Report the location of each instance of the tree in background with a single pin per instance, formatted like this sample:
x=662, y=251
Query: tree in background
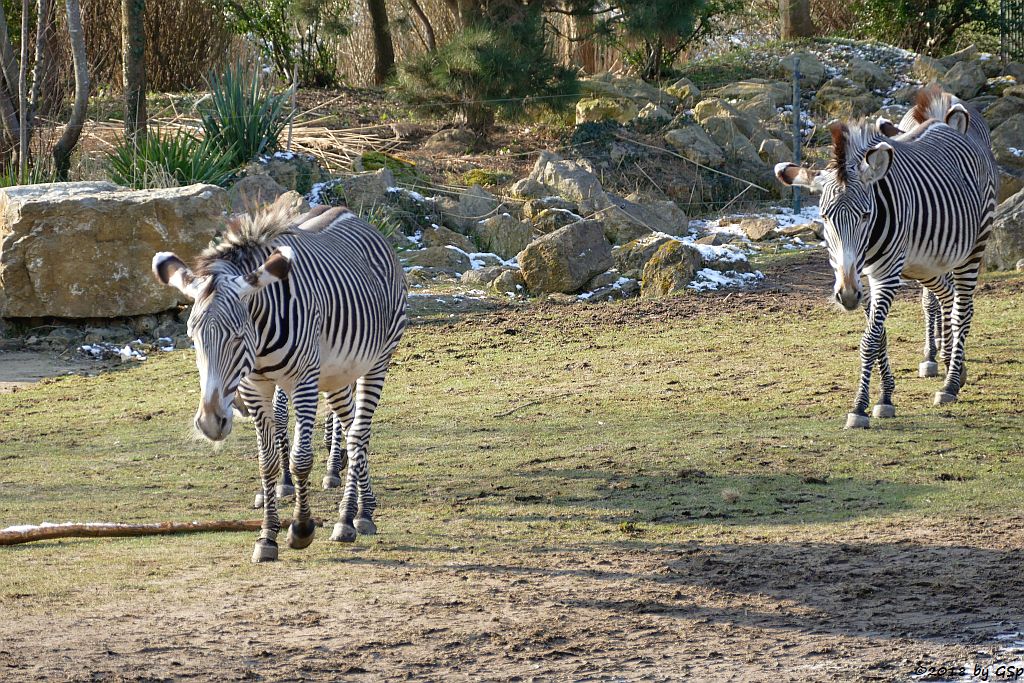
x=133, y=42
x=796, y=19
x=383, y=48
x=652, y=33
x=929, y=26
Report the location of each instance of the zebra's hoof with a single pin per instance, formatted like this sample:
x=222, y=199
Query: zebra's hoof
x=265, y=551
x=855, y=421
x=884, y=410
x=365, y=526
x=300, y=534
x=285, y=491
x=928, y=368
x=258, y=501
x=343, y=533
x=331, y=481
x=944, y=397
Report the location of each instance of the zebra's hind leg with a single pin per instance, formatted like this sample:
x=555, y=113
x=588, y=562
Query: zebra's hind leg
x=339, y=421
x=932, y=333
x=258, y=400
x=965, y=279
x=358, y=502
x=304, y=399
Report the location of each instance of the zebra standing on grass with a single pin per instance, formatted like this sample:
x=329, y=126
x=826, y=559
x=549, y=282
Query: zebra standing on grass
x=316, y=307
x=918, y=206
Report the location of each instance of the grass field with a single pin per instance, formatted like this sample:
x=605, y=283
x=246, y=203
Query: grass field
x=635, y=490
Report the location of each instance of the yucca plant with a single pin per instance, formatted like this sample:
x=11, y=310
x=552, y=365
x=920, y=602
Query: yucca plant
x=162, y=159
x=244, y=115
x=11, y=176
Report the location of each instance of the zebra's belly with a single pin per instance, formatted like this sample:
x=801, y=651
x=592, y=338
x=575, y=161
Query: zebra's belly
x=342, y=372
x=921, y=267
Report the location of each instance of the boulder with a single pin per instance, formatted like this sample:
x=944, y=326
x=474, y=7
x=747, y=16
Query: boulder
x=968, y=53
x=631, y=257
x=605, y=108
x=754, y=88
x=482, y=277
x=566, y=259
x=1006, y=243
x=927, y=69
x=571, y=180
x=696, y=145
x=964, y=79
x=503, y=235
x=252, y=192
x=685, y=91
x=549, y=220
x=509, y=282
x=527, y=188
x=637, y=91
x=669, y=270
x=774, y=151
x=360, y=192
x=1002, y=109
x=812, y=71
x=762, y=107
x=446, y=259
x=440, y=236
x=84, y=250
x=1010, y=183
x=299, y=172
x=1015, y=69
x=652, y=112
x=1008, y=142
x=868, y=74
x=728, y=135
x=475, y=204
x=455, y=141
x=841, y=98
x=534, y=206
x=757, y=229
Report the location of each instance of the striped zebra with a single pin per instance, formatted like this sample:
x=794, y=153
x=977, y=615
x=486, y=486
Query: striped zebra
x=917, y=206
x=319, y=306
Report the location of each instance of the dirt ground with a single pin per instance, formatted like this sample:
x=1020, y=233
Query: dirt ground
x=882, y=600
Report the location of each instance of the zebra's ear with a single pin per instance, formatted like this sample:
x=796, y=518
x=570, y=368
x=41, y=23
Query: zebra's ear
x=888, y=128
x=274, y=269
x=791, y=174
x=957, y=117
x=172, y=271
x=876, y=163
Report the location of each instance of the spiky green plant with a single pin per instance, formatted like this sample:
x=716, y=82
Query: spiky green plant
x=11, y=176
x=161, y=159
x=244, y=115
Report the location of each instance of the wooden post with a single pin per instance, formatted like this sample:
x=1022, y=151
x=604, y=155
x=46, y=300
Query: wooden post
x=797, y=136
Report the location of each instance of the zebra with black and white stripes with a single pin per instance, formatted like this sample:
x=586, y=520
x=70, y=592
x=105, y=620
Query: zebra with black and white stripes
x=918, y=206
x=314, y=307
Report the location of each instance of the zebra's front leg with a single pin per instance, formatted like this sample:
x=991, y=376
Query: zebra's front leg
x=304, y=399
x=966, y=279
x=871, y=345
x=358, y=502
x=285, y=488
x=932, y=333
x=885, y=408
x=258, y=400
x=339, y=420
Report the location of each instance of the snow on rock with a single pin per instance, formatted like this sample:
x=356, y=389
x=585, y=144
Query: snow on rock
x=709, y=279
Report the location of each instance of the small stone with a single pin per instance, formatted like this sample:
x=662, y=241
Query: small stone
x=758, y=229
x=481, y=277
x=144, y=324
x=549, y=220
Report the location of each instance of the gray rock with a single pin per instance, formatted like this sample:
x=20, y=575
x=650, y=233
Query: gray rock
x=1015, y=69
x=144, y=325
x=966, y=54
x=603, y=280
x=476, y=204
x=62, y=336
x=570, y=180
x=527, y=188
x=1002, y=109
x=182, y=341
x=114, y=333
x=1006, y=244
x=456, y=141
x=670, y=270
x=549, y=220
x=168, y=329
x=482, y=277
x=593, y=109
x=841, y=98
x=503, y=235
x=534, y=206
x=252, y=192
x=566, y=259
x=360, y=192
x=964, y=79
x=696, y=145
x=685, y=91
x=868, y=74
x=927, y=69
x=1006, y=138
x=509, y=282
x=445, y=259
x=631, y=257
x=298, y=172
x=653, y=112
x=758, y=229
x=440, y=236
x=774, y=151
x=812, y=71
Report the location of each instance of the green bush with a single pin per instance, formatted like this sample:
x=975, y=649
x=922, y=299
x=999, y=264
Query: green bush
x=245, y=116
x=500, y=64
x=161, y=159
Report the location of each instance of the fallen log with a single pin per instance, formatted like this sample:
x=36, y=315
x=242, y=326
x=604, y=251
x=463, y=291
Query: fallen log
x=46, y=531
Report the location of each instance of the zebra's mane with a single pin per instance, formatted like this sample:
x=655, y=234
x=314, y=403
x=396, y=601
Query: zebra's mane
x=849, y=143
x=246, y=234
x=932, y=102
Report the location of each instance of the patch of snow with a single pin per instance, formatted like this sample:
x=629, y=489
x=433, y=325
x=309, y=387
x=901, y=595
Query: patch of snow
x=709, y=279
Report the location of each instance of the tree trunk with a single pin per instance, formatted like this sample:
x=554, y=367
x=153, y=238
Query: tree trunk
x=796, y=19
x=23, y=136
x=428, y=28
x=133, y=44
x=42, y=22
x=585, y=52
x=384, y=49
x=73, y=130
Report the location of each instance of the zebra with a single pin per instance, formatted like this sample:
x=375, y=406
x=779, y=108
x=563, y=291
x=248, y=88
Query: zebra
x=314, y=307
x=918, y=206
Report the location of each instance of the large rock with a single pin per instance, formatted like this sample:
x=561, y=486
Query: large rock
x=812, y=71
x=669, y=270
x=635, y=90
x=1006, y=243
x=728, y=134
x=566, y=259
x=841, y=98
x=549, y=220
x=299, y=172
x=1008, y=142
x=968, y=53
x=927, y=69
x=570, y=180
x=604, y=108
x=696, y=145
x=475, y=204
x=503, y=235
x=631, y=257
x=83, y=250
x=252, y=192
x=1002, y=109
x=964, y=79
x=868, y=74
x=685, y=91
x=360, y=192
x=440, y=236
x=447, y=259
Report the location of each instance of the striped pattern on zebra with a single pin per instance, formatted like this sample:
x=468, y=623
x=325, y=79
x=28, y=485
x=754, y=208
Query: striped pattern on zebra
x=918, y=206
x=306, y=305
